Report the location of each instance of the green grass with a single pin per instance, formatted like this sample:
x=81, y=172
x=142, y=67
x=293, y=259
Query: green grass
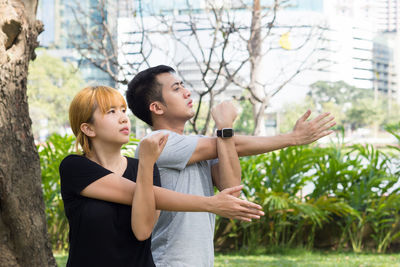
x=297, y=258
x=304, y=258
x=61, y=259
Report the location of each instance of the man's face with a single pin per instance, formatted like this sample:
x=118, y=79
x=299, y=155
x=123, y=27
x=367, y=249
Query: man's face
x=177, y=102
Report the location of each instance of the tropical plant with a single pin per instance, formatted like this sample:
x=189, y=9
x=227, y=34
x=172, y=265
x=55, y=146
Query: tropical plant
x=51, y=153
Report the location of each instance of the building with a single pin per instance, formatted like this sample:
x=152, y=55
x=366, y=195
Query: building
x=383, y=17
x=62, y=34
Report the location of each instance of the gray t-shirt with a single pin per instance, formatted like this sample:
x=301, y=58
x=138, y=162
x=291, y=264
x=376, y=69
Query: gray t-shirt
x=184, y=238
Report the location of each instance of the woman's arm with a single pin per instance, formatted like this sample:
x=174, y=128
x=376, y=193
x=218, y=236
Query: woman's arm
x=144, y=215
x=117, y=189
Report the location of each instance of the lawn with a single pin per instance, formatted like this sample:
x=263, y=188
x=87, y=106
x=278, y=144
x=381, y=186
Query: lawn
x=309, y=260
x=298, y=258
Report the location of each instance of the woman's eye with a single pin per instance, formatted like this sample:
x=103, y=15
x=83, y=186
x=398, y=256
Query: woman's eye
x=111, y=111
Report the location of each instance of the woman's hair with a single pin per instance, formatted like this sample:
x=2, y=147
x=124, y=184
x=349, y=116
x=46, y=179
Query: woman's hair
x=83, y=106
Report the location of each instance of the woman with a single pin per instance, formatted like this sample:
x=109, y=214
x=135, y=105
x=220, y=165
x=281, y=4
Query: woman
x=110, y=201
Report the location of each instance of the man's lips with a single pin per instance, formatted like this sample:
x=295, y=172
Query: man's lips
x=190, y=104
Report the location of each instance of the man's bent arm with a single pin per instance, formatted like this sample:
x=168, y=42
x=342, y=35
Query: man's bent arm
x=227, y=172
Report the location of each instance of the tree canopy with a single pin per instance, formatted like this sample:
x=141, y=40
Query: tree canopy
x=52, y=84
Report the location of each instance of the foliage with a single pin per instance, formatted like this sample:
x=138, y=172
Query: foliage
x=129, y=148
x=51, y=153
x=304, y=191
x=365, y=112
x=245, y=122
x=52, y=84
x=276, y=180
x=353, y=107
x=322, y=91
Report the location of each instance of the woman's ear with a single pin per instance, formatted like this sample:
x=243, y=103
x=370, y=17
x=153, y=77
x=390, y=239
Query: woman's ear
x=88, y=130
x=157, y=108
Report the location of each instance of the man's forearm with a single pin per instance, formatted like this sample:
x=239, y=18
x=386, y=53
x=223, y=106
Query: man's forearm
x=229, y=171
x=244, y=145
x=254, y=145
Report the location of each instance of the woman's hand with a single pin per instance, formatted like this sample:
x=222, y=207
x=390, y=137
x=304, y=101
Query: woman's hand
x=225, y=204
x=152, y=146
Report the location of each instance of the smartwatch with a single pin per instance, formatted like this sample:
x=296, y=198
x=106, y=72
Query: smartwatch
x=225, y=133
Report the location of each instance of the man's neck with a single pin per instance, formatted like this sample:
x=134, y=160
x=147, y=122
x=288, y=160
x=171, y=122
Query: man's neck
x=176, y=127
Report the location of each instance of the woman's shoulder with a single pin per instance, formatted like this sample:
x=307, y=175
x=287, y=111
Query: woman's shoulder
x=74, y=160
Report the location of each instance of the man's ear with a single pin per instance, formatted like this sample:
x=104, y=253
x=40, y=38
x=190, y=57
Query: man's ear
x=87, y=129
x=157, y=108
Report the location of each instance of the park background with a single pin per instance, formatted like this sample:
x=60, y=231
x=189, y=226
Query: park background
x=327, y=203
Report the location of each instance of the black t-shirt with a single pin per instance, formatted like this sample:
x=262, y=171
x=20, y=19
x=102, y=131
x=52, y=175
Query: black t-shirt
x=100, y=231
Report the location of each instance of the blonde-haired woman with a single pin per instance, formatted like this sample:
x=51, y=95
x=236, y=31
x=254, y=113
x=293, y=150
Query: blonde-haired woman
x=112, y=201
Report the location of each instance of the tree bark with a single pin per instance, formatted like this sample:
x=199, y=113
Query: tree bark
x=255, y=86
x=23, y=232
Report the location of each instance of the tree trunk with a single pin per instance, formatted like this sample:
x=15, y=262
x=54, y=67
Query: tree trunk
x=259, y=118
x=23, y=232
x=255, y=86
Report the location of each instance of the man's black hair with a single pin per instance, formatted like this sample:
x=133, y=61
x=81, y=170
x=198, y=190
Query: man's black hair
x=145, y=89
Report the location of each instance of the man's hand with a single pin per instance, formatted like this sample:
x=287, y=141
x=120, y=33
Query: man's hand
x=224, y=114
x=226, y=205
x=306, y=132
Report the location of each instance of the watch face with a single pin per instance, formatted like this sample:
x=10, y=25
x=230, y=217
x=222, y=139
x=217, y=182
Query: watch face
x=227, y=133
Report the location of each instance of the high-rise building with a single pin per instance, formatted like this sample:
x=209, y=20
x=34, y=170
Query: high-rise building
x=62, y=33
x=387, y=15
x=384, y=19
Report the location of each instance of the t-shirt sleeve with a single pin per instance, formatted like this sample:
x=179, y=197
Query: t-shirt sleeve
x=177, y=151
x=77, y=172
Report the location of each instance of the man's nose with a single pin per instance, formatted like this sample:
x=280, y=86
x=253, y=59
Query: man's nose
x=187, y=93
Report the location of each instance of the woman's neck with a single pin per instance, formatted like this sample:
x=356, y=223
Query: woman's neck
x=108, y=157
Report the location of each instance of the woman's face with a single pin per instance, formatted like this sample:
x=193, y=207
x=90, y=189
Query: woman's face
x=111, y=127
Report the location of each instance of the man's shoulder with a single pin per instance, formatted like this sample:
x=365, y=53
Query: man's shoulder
x=174, y=136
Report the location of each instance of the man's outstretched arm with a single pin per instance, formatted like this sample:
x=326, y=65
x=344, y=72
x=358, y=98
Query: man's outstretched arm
x=304, y=132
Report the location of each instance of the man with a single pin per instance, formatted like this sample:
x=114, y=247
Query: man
x=158, y=97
